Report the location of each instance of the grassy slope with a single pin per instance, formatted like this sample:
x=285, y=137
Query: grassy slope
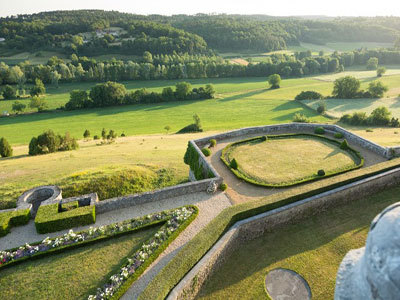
x=314, y=248
x=73, y=274
x=298, y=158
x=243, y=102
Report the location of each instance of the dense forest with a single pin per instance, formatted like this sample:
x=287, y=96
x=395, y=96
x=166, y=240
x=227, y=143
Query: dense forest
x=92, y=32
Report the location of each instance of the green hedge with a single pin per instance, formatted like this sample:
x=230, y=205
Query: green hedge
x=224, y=157
x=191, y=158
x=196, y=248
x=48, y=219
x=13, y=218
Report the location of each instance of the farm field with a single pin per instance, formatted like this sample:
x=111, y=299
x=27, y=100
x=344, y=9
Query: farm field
x=299, y=159
x=313, y=247
x=247, y=102
x=73, y=274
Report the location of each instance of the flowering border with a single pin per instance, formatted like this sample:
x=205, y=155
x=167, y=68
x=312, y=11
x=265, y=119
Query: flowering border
x=175, y=221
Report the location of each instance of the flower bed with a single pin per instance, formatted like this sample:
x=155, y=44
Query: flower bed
x=174, y=221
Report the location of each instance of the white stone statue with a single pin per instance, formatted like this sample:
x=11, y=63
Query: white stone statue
x=373, y=272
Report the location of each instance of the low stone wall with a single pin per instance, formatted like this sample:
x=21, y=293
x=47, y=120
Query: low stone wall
x=254, y=227
x=169, y=192
x=270, y=129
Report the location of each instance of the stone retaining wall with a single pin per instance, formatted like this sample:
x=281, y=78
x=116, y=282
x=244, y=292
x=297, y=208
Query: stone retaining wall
x=270, y=129
x=254, y=227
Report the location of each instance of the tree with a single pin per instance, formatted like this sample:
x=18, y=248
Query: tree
x=147, y=57
x=380, y=116
x=103, y=133
x=86, y=134
x=5, y=148
x=16, y=76
x=18, y=107
x=275, y=81
x=372, y=63
x=168, y=94
x=38, y=103
x=77, y=99
x=9, y=92
x=397, y=43
x=380, y=71
x=107, y=94
x=167, y=128
x=38, y=89
x=209, y=91
x=377, y=89
x=182, y=90
x=346, y=87
x=55, y=77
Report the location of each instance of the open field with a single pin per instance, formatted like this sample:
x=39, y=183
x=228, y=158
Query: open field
x=240, y=102
x=73, y=274
x=39, y=57
x=284, y=161
x=313, y=247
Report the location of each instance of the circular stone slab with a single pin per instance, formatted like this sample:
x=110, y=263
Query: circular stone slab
x=287, y=284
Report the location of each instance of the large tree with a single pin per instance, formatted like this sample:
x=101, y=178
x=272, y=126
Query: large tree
x=107, y=94
x=377, y=89
x=346, y=87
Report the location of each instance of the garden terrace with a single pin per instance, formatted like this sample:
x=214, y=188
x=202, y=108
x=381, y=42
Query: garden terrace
x=285, y=160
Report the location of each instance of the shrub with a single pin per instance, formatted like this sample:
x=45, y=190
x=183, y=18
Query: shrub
x=206, y=151
x=309, y=95
x=321, y=108
x=372, y=63
x=182, y=90
x=5, y=148
x=380, y=116
x=380, y=71
x=38, y=103
x=301, y=118
x=213, y=142
x=394, y=122
x=275, y=81
x=264, y=138
x=13, y=218
x=77, y=99
x=344, y=145
x=377, y=89
x=223, y=186
x=49, y=142
x=86, y=134
x=338, y=135
x=321, y=173
x=123, y=135
x=96, y=137
x=38, y=89
x=319, y=130
x=369, y=130
x=195, y=127
x=357, y=118
x=346, y=87
x=48, y=219
x=233, y=164
x=18, y=107
x=9, y=92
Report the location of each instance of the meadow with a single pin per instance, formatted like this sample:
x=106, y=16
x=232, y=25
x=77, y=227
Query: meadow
x=240, y=102
x=313, y=247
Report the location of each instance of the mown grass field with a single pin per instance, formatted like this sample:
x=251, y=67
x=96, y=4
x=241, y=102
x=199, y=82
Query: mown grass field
x=73, y=274
x=240, y=102
x=288, y=160
x=313, y=247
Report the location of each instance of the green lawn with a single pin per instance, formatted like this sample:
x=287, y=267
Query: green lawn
x=73, y=274
x=299, y=159
x=241, y=102
x=313, y=247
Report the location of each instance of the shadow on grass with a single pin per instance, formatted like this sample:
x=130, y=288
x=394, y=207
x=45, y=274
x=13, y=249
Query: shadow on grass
x=278, y=248
x=244, y=95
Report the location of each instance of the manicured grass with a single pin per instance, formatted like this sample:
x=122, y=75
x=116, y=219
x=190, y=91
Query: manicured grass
x=73, y=274
x=314, y=248
x=241, y=102
x=284, y=161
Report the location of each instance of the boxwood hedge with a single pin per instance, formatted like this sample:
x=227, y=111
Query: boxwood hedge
x=13, y=218
x=48, y=219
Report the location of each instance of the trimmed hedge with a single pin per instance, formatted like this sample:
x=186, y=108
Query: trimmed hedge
x=206, y=151
x=319, y=130
x=48, y=219
x=338, y=135
x=236, y=171
x=13, y=218
x=196, y=248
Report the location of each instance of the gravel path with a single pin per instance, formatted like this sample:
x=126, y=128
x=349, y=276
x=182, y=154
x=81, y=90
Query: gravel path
x=208, y=209
x=27, y=234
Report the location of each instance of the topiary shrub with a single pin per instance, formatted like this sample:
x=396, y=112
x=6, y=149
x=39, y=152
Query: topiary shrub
x=213, y=142
x=233, y=164
x=206, y=151
x=96, y=137
x=321, y=172
x=223, y=186
x=5, y=148
x=263, y=138
x=319, y=130
x=338, y=135
x=344, y=145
